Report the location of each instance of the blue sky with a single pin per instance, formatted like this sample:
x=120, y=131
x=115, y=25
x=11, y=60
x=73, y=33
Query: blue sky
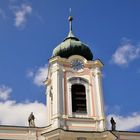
x=30, y=30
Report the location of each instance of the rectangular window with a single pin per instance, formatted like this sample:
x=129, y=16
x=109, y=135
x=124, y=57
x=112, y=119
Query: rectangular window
x=78, y=99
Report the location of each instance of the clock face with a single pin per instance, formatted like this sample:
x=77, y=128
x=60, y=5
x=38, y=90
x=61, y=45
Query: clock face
x=77, y=64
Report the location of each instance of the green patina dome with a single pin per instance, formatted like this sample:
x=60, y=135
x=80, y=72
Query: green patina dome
x=72, y=46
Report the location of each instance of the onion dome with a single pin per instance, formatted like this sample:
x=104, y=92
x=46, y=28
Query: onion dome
x=72, y=46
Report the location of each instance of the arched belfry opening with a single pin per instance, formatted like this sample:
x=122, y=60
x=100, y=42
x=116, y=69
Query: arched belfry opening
x=78, y=98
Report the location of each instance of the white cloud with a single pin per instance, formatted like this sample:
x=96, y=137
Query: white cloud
x=21, y=14
x=4, y=92
x=125, y=122
x=13, y=113
x=126, y=53
x=39, y=76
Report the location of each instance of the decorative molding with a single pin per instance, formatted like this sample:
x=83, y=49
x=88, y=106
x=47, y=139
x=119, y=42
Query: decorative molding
x=47, y=82
x=78, y=80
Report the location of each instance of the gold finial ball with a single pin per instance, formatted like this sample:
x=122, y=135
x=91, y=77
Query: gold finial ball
x=70, y=18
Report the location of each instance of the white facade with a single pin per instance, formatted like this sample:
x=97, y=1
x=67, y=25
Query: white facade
x=61, y=77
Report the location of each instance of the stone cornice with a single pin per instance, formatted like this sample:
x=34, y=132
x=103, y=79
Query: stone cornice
x=66, y=62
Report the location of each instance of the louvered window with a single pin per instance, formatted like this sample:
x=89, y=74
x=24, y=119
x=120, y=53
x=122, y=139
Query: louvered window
x=78, y=99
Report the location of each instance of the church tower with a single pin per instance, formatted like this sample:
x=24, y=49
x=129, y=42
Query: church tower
x=74, y=88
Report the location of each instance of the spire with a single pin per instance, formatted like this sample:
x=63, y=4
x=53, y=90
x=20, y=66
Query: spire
x=70, y=22
x=71, y=45
x=70, y=27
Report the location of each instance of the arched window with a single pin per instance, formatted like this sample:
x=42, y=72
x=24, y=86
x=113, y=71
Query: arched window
x=78, y=98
